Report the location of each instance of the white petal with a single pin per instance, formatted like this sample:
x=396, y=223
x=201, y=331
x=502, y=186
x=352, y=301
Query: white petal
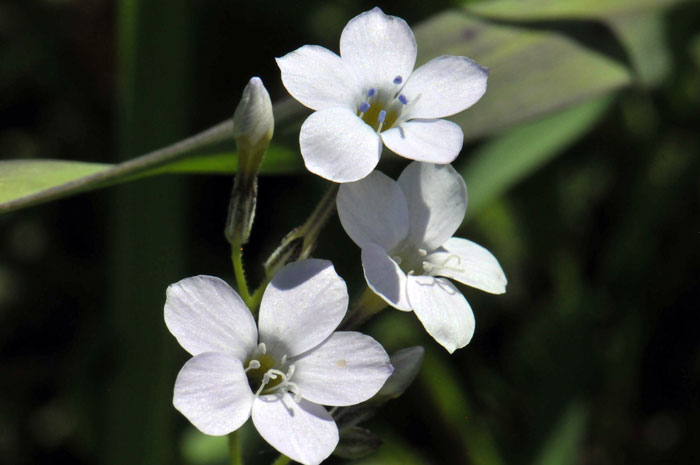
x=443, y=310
x=429, y=140
x=437, y=201
x=470, y=264
x=302, y=431
x=446, y=85
x=212, y=391
x=378, y=48
x=348, y=368
x=318, y=78
x=339, y=146
x=373, y=210
x=302, y=306
x=206, y=315
x=385, y=277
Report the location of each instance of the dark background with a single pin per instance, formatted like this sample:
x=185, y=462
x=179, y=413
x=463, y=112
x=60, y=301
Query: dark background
x=592, y=356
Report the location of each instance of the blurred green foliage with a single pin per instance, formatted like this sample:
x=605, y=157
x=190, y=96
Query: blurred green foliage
x=586, y=190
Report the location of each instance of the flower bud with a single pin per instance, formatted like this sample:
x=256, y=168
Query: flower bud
x=253, y=125
x=406, y=363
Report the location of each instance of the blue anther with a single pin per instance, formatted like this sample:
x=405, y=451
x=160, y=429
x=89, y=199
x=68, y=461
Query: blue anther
x=364, y=106
x=371, y=92
x=398, y=80
x=403, y=99
x=382, y=116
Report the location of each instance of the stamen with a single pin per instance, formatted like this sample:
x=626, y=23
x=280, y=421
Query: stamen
x=285, y=382
x=403, y=99
x=398, y=80
x=262, y=348
x=371, y=92
x=422, y=252
x=428, y=267
x=294, y=389
x=253, y=365
x=381, y=118
x=284, y=360
x=364, y=106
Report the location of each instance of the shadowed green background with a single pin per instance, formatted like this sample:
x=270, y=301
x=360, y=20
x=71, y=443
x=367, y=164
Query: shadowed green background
x=582, y=164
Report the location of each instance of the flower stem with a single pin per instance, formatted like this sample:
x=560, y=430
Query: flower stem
x=300, y=241
x=369, y=305
x=234, y=447
x=281, y=460
x=256, y=297
x=237, y=259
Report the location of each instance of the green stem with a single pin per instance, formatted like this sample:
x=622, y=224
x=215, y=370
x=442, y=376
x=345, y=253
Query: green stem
x=281, y=460
x=256, y=297
x=237, y=259
x=234, y=447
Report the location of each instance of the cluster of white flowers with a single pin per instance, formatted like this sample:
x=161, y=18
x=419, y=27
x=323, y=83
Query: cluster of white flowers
x=283, y=370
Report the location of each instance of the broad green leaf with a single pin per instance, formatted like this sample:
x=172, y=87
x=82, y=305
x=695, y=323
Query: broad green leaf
x=638, y=24
x=507, y=159
x=20, y=178
x=531, y=10
x=563, y=445
x=644, y=37
x=532, y=72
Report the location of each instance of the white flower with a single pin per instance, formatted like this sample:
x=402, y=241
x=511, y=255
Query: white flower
x=280, y=373
x=370, y=94
x=404, y=229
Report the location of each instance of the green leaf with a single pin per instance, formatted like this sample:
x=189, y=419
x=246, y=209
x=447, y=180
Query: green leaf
x=530, y=10
x=638, y=25
x=20, y=178
x=504, y=161
x=644, y=37
x=532, y=72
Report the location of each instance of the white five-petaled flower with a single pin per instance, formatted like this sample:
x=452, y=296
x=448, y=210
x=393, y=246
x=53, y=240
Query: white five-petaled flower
x=283, y=371
x=371, y=95
x=405, y=230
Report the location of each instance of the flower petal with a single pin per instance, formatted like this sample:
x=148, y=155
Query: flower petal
x=206, y=315
x=373, y=210
x=318, y=78
x=301, y=307
x=348, y=368
x=339, y=146
x=212, y=391
x=385, y=277
x=430, y=140
x=303, y=431
x=470, y=264
x=437, y=201
x=443, y=310
x=378, y=48
x=447, y=85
